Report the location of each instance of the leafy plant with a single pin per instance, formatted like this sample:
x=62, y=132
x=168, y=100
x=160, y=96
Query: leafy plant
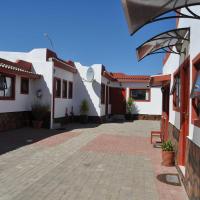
x=84, y=108
x=167, y=146
x=129, y=105
x=39, y=111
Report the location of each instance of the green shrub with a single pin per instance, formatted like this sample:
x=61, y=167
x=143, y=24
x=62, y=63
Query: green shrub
x=84, y=108
x=167, y=146
x=39, y=111
x=129, y=105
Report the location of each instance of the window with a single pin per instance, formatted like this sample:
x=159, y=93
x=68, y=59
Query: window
x=70, y=94
x=24, y=85
x=140, y=94
x=195, y=95
x=7, y=87
x=176, y=91
x=64, y=89
x=102, y=94
x=57, y=88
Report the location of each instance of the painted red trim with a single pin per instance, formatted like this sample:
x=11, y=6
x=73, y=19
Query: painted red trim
x=148, y=90
x=16, y=72
x=24, y=65
x=184, y=110
x=195, y=68
x=13, y=88
x=21, y=92
x=64, y=65
x=108, y=76
x=160, y=80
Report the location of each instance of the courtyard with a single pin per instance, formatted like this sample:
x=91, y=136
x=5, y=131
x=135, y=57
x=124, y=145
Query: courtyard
x=112, y=161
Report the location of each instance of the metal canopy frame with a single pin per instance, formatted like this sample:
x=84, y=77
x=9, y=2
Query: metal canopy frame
x=164, y=43
x=158, y=15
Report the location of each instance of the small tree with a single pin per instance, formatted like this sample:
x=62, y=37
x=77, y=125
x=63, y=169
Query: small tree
x=84, y=108
x=129, y=105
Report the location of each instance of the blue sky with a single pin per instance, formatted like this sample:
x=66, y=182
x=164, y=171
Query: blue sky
x=89, y=31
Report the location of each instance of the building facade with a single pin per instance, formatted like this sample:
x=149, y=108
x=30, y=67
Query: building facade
x=45, y=79
x=184, y=112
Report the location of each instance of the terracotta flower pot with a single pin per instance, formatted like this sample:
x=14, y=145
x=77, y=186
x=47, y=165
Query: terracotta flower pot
x=37, y=124
x=168, y=158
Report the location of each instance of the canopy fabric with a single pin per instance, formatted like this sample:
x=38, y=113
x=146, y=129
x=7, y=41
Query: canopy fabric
x=164, y=41
x=140, y=12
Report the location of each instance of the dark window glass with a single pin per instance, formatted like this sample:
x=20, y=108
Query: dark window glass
x=24, y=86
x=177, y=91
x=57, y=88
x=64, y=89
x=102, y=94
x=140, y=94
x=70, y=95
x=7, y=86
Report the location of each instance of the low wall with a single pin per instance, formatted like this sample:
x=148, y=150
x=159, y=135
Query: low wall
x=192, y=173
x=13, y=120
x=191, y=180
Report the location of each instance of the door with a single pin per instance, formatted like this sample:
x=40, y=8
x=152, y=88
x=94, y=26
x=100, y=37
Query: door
x=118, y=101
x=184, y=111
x=165, y=112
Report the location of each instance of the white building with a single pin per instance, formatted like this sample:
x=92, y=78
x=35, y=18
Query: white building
x=39, y=76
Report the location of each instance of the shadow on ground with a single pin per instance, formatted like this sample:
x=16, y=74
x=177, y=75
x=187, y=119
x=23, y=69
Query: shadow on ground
x=170, y=179
x=14, y=139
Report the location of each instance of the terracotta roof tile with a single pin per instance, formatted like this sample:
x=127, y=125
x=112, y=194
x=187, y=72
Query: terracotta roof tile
x=8, y=66
x=124, y=77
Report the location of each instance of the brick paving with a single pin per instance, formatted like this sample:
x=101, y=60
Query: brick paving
x=91, y=162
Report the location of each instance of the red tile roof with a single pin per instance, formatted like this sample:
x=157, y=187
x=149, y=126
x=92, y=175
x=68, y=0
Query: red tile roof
x=130, y=78
x=15, y=68
x=66, y=65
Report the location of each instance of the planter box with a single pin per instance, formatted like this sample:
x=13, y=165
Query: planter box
x=37, y=124
x=168, y=158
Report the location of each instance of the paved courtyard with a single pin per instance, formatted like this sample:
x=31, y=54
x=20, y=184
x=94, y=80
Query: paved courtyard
x=113, y=161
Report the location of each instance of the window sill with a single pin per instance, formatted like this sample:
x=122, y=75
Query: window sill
x=24, y=93
x=141, y=101
x=197, y=122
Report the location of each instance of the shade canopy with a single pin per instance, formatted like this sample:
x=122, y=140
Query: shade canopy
x=164, y=42
x=141, y=12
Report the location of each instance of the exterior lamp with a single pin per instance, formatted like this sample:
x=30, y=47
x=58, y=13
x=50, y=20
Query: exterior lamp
x=162, y=89
x=39, y=93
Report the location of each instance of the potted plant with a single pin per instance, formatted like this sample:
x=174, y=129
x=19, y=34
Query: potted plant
x=39, y=112
x=129, y=108
x=84, y=109
x=168, y=154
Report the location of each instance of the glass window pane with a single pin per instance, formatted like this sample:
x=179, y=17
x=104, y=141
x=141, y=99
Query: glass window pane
x=142, y=94
x=8, y=87
x=196, y=88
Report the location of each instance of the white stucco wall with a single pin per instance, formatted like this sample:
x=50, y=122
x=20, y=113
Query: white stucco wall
x=87, y=90
x=154, y=107
x=62, y=104
x=40, y=66
x=108, y=83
